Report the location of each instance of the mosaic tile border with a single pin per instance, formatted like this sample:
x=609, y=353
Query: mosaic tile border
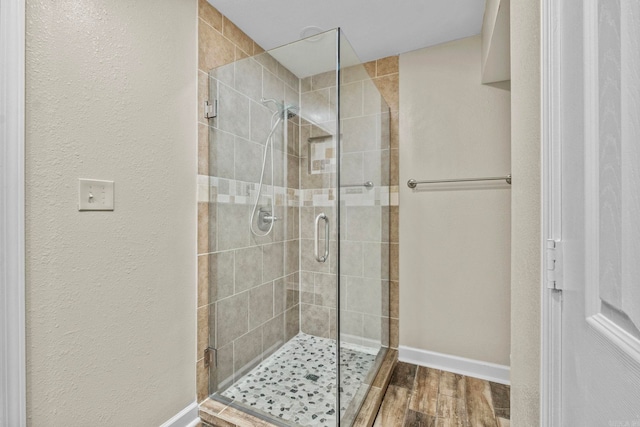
x=231, y=191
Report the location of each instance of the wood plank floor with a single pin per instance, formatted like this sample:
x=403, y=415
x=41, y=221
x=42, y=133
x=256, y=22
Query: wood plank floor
x=424, y=397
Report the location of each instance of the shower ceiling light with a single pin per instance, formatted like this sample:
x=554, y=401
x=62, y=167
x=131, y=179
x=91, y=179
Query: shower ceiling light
x=310, y=31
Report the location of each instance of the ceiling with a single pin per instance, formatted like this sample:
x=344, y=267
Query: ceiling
x=375, y=28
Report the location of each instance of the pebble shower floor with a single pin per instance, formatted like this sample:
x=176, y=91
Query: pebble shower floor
x=297, y=382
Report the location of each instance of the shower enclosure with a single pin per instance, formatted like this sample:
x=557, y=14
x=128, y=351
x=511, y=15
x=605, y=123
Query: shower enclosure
x=299, y=177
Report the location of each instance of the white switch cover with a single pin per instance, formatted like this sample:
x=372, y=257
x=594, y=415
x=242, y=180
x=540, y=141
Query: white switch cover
x=95, y=195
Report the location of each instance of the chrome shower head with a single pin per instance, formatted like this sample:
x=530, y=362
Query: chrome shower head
x=291, y=110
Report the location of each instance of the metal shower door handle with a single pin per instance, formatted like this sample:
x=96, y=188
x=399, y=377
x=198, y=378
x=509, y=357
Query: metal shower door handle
x=326, y=238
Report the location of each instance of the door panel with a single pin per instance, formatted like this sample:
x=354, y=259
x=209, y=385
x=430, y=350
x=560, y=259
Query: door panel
x=600, y=226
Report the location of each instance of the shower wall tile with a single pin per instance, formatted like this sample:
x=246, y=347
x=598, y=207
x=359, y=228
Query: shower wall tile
x=316, y=106
x=260, y=122
x=364, y=295
x=394, y=164
x=267, y=61
x=293, y=143
x=248, y=268
x=279, y=296
x=351, y=325
x=223, y=371
x=237, y=36
x=371, y=96
x=202, y=380
x=394, y=300
x=325, y=290
x=323, y=80
x=248, y=78
x=351, y=258
x=288, y=77
x=315, y=320
x=388, y=65
x=203, y=227
x=307, y=260
x=203, y=95
x=293, y=164
x=394, y=261
x=293, y=224
x=363, y=223
x=394, y=333
x=356, y=73
x=203, y=149
x=221, y=152
x=352, y=100
x=375, y=265
x=273, y=261
x=202, y=325
x=248, y=160
x=233, y=111
x=210, y=15
x=372, y=328
x=272, y=86
x=353, y=169
x=232, y=318
x=221, y=274
x=388, y=86
x=214, y=49
x=394, y=222
x=292, y=257
x=225, y=74
x=260, y=305
x=235, y=232
x=292, y=322
x=273, y=333
x=203, y=280
x=359, y=134
x=247, y=352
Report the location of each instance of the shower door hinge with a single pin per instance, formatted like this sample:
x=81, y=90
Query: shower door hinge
x=553, y=264
x=210, y=356
x=211, y=109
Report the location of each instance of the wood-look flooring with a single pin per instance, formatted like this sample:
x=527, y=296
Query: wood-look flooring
x=424, y=397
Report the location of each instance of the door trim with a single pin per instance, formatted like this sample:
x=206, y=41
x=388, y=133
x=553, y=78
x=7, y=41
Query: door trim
x=12, y=238
x=551, y=106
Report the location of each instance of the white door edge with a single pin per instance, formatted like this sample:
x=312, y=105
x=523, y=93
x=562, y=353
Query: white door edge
x=12, y=255
x=551, y=328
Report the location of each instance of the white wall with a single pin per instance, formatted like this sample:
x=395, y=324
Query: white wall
x=111, y=89
x=454, y=239
x=525, y=230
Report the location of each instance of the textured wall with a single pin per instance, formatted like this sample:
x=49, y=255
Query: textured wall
x=525, y=211
x=110, y=295
x=454, y=239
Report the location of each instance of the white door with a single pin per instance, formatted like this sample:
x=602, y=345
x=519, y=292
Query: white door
x=598, y=106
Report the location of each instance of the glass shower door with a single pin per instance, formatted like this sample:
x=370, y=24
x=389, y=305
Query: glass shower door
x=364, y=231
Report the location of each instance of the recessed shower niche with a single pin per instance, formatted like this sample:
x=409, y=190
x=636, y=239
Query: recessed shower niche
x=299, y=233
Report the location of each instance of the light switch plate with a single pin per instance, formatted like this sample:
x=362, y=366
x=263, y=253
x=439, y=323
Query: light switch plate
x=95, y=195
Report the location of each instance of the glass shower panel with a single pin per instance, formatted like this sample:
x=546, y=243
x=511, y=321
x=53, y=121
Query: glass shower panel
x=252, y=224
x=273, y=233
x=364, y=231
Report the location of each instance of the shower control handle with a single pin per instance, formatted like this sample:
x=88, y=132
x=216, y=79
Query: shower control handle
x=324, y=257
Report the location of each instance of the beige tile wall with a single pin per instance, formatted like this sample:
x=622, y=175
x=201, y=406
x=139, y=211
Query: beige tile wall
x=385, y=73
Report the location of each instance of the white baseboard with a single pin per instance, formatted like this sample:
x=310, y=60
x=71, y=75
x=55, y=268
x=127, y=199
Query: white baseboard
x=188, y=417
x=459, y=365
